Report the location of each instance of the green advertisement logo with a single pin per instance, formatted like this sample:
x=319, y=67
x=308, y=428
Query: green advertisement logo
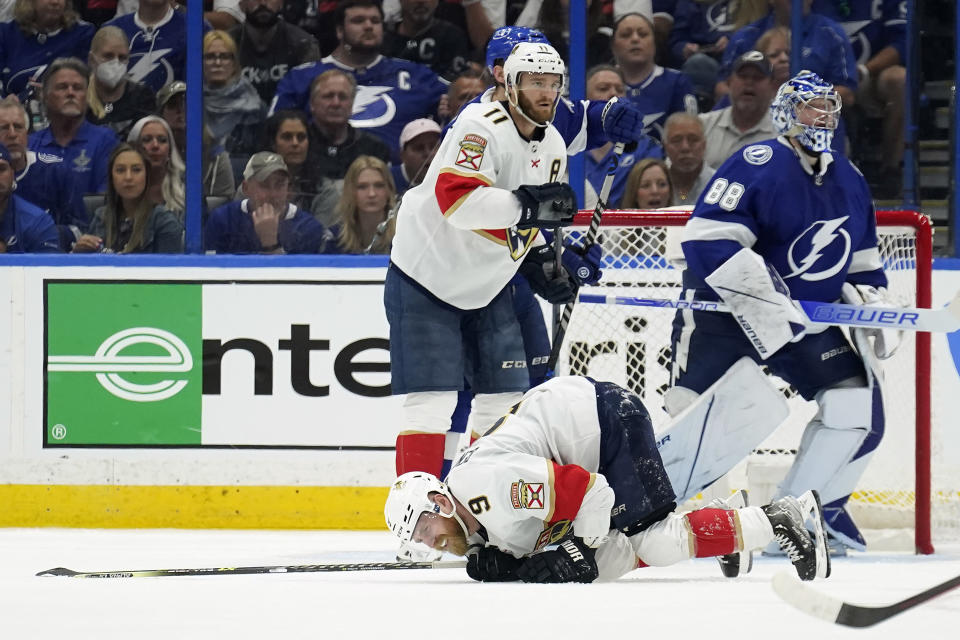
x=122, y=363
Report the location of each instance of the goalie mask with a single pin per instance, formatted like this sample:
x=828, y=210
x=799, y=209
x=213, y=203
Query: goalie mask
x=807, y=108
x=409, y=498
x=533, y=58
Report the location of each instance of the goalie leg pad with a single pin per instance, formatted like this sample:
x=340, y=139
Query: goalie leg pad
x=630, y=462
x=720, y=428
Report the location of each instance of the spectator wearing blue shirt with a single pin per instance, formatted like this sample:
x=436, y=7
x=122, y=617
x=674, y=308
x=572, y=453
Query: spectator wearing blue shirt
x=418, y=144
x=84, y=148
x=265, y=222
x=701, y=32
x=605, y=82
x=40, y=32
x=24, y=228
x=656, y=91
x=42, y=181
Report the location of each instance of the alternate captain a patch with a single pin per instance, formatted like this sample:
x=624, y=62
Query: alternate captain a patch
x=471, y=151
x=525, y=495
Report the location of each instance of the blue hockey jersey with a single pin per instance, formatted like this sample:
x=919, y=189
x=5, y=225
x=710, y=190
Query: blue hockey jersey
x=664, y=91
x=26, y=228
x=869, y=25
x=158, y=53
x=24, y=58
x=817, y=229
x=390, y=93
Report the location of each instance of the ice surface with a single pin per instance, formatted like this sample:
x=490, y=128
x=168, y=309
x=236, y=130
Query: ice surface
x=690, y=600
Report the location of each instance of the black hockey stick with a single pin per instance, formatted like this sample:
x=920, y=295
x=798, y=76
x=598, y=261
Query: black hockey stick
x=279, y=568
x=835, y=610
x=588, y=239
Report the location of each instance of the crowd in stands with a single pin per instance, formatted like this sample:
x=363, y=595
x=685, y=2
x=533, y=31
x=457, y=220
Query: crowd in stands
x=319, y=115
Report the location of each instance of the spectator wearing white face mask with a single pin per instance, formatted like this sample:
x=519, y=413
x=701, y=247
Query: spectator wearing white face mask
x=114, y=99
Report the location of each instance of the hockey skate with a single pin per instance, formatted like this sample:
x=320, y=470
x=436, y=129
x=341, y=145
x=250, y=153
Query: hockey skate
x=410, y=552
x=807, y=550
x=741, y=562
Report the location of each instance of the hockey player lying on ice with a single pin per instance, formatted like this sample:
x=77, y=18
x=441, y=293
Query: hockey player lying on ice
x=569, y=487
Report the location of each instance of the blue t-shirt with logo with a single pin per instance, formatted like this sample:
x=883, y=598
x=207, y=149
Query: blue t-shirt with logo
x=87, y=155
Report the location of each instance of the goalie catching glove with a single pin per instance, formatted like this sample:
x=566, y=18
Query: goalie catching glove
x=885, y=341
x=540, y=269
x=553, y=204
x=760, y=301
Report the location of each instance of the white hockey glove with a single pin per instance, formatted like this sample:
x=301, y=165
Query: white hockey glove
x=760, y=301
x=885, y=341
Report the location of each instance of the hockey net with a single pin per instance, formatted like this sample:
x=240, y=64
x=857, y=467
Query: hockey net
x=907, y=495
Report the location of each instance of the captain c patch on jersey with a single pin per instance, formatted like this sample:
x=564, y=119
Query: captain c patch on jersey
x=471, y=151
x=525, y=495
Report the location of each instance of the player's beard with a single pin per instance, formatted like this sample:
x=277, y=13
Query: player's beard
x=454, y=542
x=539, y=115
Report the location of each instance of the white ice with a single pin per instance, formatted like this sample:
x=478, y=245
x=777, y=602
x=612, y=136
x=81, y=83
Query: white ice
x=690, y=600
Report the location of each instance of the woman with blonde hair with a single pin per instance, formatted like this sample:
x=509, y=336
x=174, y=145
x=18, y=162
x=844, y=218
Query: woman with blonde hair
x=129, y=222
x=113, y=98
x=41, y=31
x=154, y=138
x=648, y=186
x=368, y=196
x=234, y=111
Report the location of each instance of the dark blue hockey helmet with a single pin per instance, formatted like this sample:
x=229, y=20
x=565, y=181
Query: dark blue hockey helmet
x=505, y=38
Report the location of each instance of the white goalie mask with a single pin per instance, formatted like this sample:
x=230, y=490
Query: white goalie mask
x=531, y=57
x=409, y=498
x=807, y=108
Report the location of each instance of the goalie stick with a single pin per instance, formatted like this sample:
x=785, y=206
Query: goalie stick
x=589, y=238
x=831, y=609
x=278, y=568
x=945, y=319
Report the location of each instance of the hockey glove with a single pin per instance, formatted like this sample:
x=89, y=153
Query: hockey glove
x=489, y=564
x=622, y=121
x=885, y=341
x=546, y=205
x=571, y=561
x=539, y=268
x=583, y=265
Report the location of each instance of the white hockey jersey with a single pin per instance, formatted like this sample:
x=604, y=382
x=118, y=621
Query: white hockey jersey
x=455, y=231
x=533, y=476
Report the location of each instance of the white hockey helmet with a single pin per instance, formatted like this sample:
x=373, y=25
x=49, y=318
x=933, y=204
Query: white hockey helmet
x=795, y=95
x=409, y=498
x=531, y=57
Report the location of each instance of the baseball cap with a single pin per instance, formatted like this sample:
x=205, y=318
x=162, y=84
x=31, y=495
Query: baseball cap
x=415, y=128
x=756, y=59
x=168, y=91
x=262, y=164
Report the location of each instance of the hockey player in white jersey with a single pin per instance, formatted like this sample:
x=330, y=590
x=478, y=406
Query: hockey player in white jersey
x=461, y=236
x=568, y=486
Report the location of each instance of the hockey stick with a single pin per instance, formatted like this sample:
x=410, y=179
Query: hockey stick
x=279, y=568
x=943, y=320
x=589, y=238
x=831, y=609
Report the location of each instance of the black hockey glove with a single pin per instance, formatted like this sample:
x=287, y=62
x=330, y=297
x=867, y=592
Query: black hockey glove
x=490, y=564
x=539, y=267
x=546, y=205
x=571, y=561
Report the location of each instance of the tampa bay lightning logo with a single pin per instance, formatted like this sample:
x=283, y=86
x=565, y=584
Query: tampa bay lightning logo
x=373, y=107
x=717, y=17
x=758, y=154
x=142, y=65
x=820, y=252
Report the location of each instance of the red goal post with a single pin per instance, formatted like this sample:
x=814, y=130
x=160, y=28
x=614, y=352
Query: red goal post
x=630, y=346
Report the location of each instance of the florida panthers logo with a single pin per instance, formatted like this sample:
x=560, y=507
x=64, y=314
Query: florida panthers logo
x=820, y=252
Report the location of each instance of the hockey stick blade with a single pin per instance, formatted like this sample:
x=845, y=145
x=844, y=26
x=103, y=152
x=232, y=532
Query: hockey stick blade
x=943, y=320
x=835, y=610
x=279, y=568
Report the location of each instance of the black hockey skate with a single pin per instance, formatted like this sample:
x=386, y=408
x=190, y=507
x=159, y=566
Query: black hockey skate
x=741, y=562
x=807, y=550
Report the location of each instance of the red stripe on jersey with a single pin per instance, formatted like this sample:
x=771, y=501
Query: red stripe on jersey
x=714, y=532
x=452, y=187
x=570, y=484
